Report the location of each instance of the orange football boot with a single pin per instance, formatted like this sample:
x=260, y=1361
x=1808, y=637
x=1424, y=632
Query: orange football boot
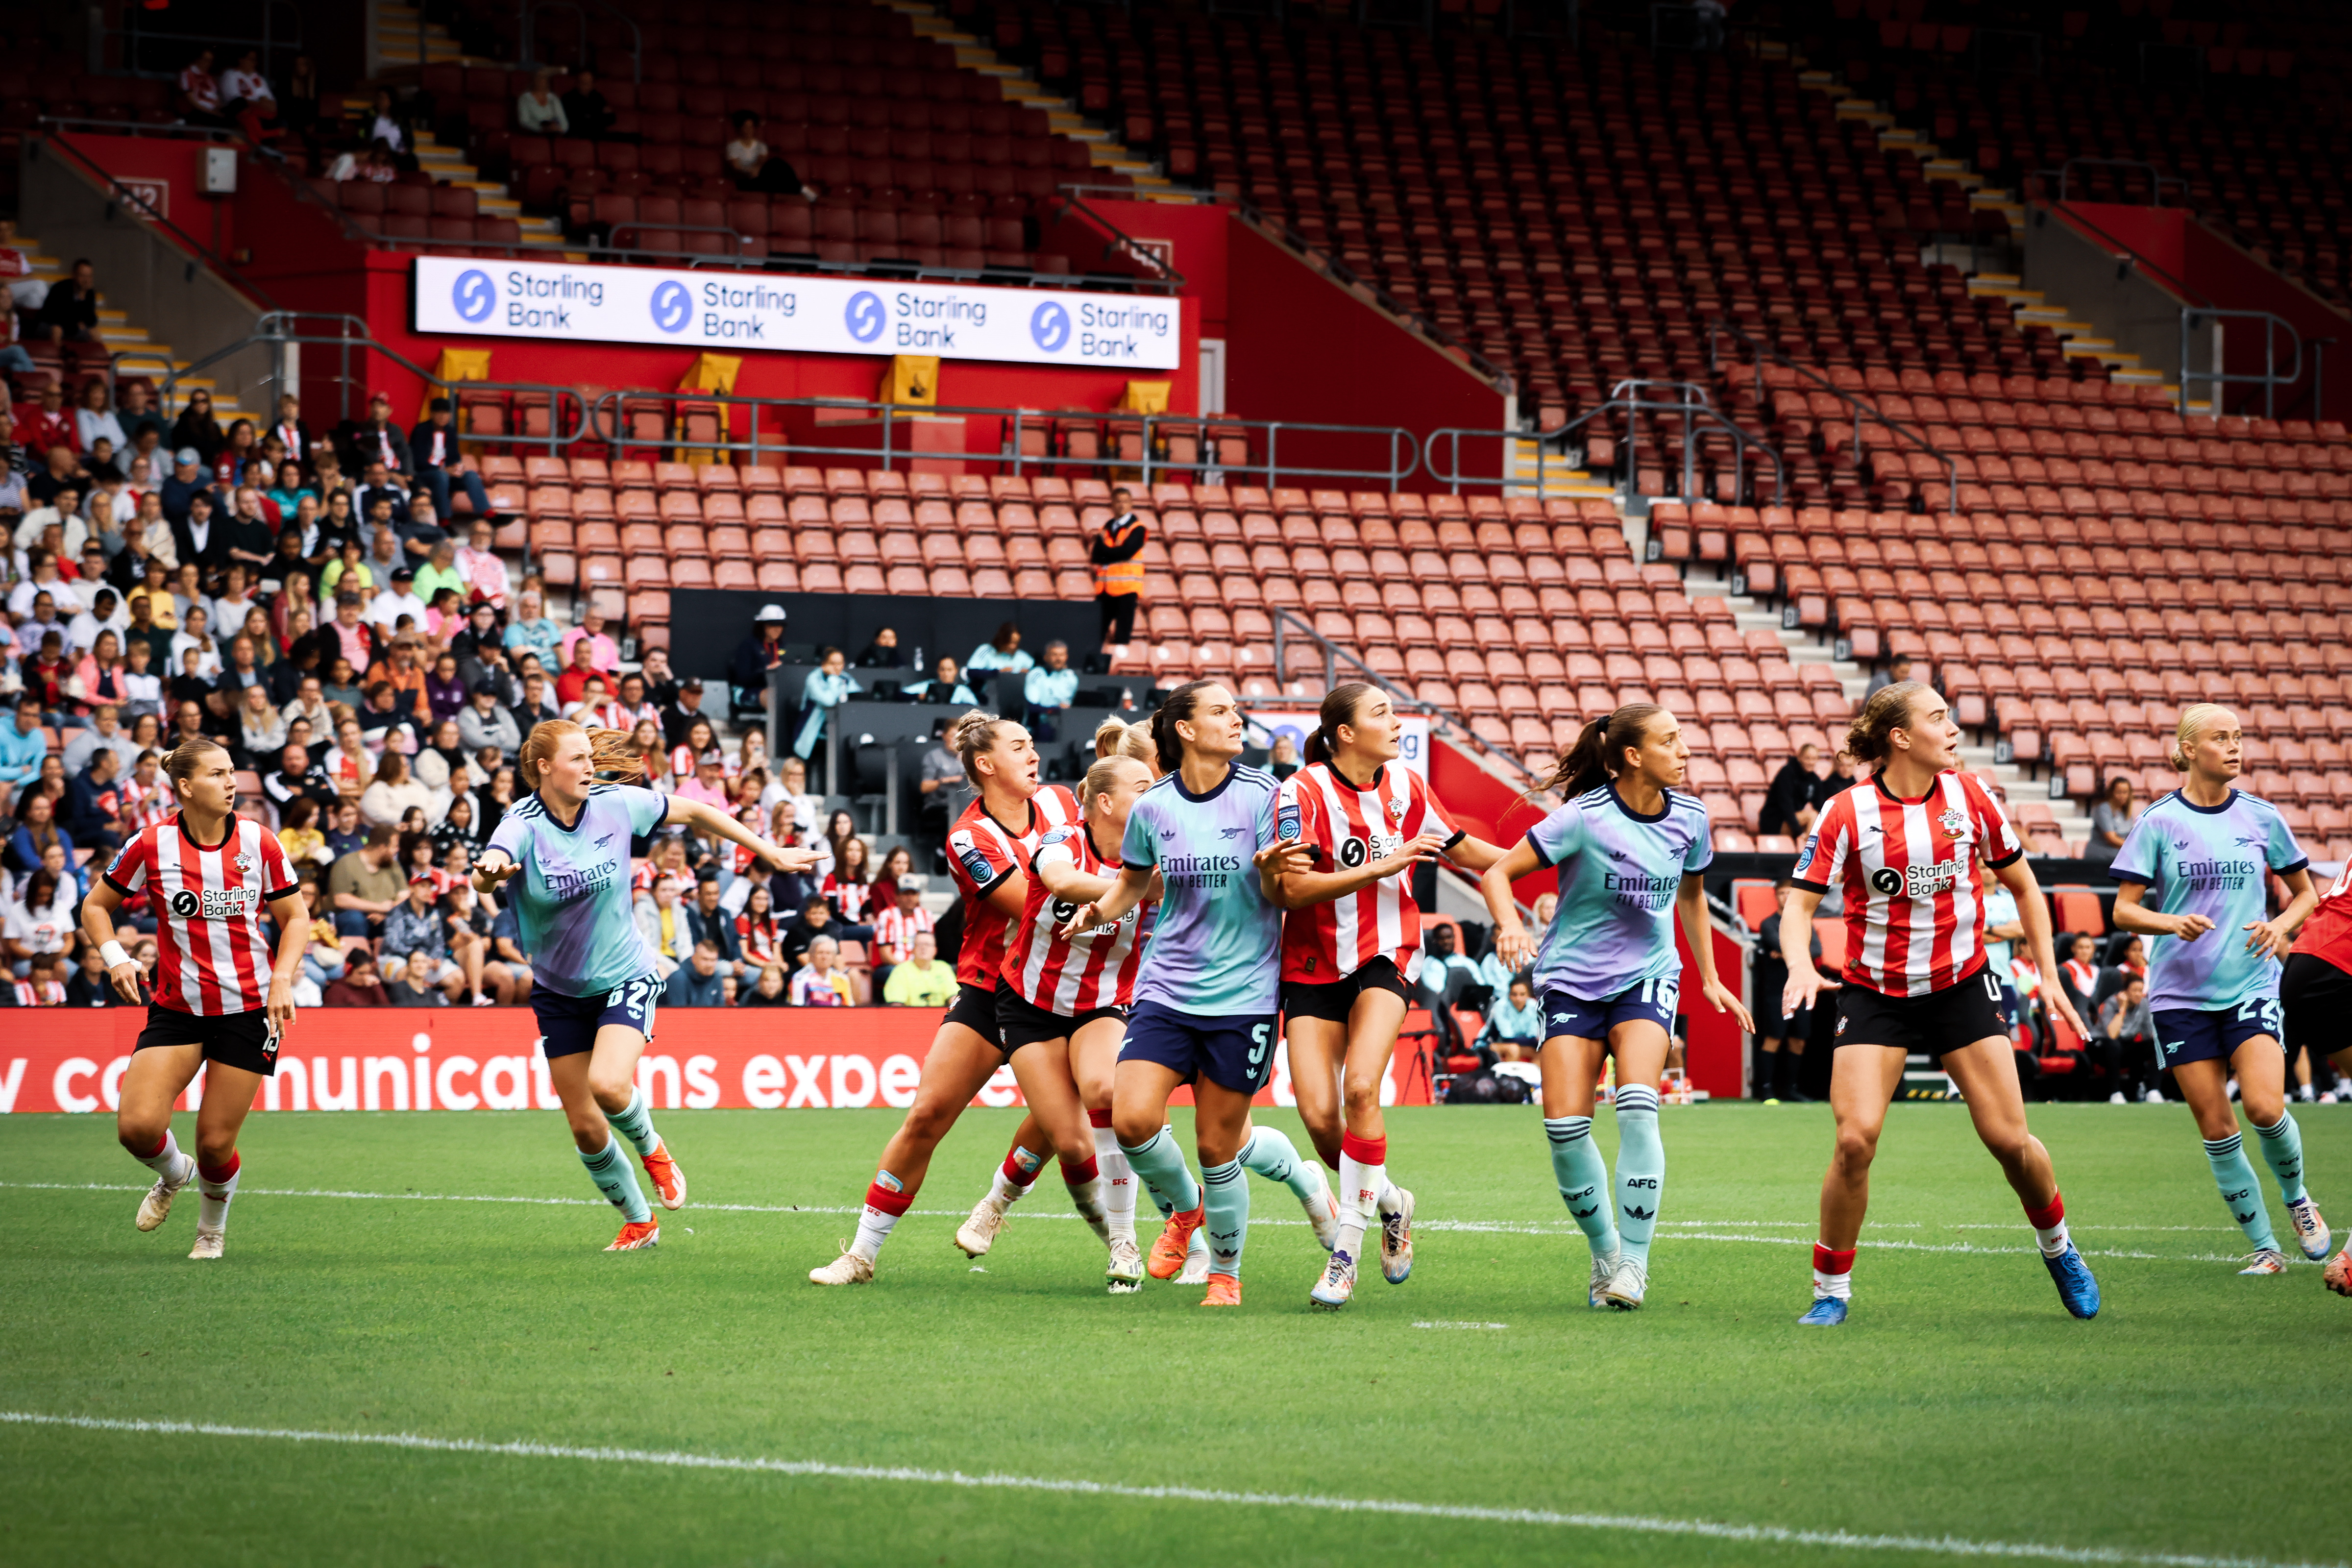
x=1175, y=1239
x=1225, y=1291
x=669, y=1182
x=635, y=1235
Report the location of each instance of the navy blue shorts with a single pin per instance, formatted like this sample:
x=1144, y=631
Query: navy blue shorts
x=568, y=1025
x=1236, y=1054
x=2194, y=1034
x=1650, y=1001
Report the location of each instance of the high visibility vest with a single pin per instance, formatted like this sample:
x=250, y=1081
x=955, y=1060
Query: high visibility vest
x=1120, y=576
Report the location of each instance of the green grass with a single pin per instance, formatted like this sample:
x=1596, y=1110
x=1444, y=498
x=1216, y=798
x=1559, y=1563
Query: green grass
x=2201, y=1414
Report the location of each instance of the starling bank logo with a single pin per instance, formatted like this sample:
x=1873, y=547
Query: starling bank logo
x=474, y=295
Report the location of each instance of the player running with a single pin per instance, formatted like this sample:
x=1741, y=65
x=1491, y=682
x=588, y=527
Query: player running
x=1630, y=851
x=988, y=854
x=1206, y=999
x=594, y=980
x=2197, y=862
x=2316, y=994
x=1062, y=1005
x=1905, y=844
x=221, y=998
x=1351, y=949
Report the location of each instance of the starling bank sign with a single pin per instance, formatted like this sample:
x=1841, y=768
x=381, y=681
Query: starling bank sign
x=548, y=302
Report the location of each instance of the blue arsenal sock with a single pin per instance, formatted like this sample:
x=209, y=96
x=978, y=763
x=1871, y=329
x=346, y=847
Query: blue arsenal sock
x=1641, y=1168
x=1579, y=1169
x=2240, y=1190
x=1227, y=1223
x=617, y=1180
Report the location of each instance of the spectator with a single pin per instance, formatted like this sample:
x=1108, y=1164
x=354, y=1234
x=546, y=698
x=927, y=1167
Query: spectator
x=478, y=563
x=93, y=808
x=2122, y=1037
x=199, y=96
x=440, y=464
x=44, y=425
x=376, y=439
x=1001, y=652
x=1515, y=1025
x=414, y=929
x=1118, y=556
x=921, y=981
x=299, y=834
x=445, y=695
x=94, y=419
x=539, y=111
x=70, y=312
x=698, y=982
x=104, y=730
x=586, y=110
x=816, y=920
x=485, y=722
x=261, y=729
x=364, y=884
x=756, y=656
x=1282, y=757
x=89, y=986
x=768, y=991
x=42, y=921
x=195, y=430
x=201, y=542
x=603, y=653
x=828, y=687
x=247, y=101
x=37, y=832
x=1798, y=794
x=2078, y=974
x=358, y=985
x=530, y=630
x=1899, y=669
x=1049, y=689
x=882, y=652
x=898, y=925
x=941, y=785
x=533, y=709
x=412, y=981
x=21, y=748
x=821, y=983
x=848, y=887
x=1780, y=1075
x=398, y=599
x=2111, y=820
x=681, y=715
x=394, y=791
x=948, y=687
x=756, y=168
x=663, y=923
x=2002, y=930
x=247, y=533
x=40, y=987
x=1443, y=975
x=386, y=122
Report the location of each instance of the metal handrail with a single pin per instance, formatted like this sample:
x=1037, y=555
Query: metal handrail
x=528, y=35
x=1861, y=405
x=2139, y=263
x=2194, y=317
x=2158, y=178
x=1399, y=697
x=133, y=35
x=1121, y=242
x=1404, y=450
x=1700, y=406
x=147, y=215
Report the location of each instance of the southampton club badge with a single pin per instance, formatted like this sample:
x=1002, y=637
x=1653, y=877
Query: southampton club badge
x=245, y=862
x=1952, y=822
x=1396, y=809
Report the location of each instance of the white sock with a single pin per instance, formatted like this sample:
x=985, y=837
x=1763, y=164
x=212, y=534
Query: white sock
x=1118, y=1185
x=1004, y=1191
x=873, y=1230
x=1361, y=1187
x=1388, y=1203
x=212, y=1207
x=1087, y=1197
x=169, y=1162
x=2053, y=1240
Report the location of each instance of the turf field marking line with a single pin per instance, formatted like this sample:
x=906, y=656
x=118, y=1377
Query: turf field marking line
x=1427, y=1323
x=1639, y=1524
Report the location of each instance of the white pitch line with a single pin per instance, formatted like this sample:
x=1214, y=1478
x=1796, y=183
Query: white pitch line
x=1637, y=1524
x=1444, y=1324
x=1674, y=1230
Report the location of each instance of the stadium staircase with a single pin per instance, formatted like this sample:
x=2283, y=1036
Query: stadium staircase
x=137, y=349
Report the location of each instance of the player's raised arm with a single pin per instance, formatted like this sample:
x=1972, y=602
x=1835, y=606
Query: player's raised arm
x=704, y=817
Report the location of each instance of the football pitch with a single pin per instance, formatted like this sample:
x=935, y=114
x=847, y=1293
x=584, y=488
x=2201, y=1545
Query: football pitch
x=415, y=1354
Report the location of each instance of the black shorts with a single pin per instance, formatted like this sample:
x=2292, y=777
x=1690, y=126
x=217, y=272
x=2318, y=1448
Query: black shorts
x=1021, y=1022
x=568, y=1025
x=1333, y=1000
x=2318, y=998
x=232, y=1039
x=975, y=1008
x=1941, y=1021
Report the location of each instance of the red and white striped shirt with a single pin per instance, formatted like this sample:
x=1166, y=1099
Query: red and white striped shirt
x=895, y=931
x=1914, y=923
x=1093, y=969
x=1347, y=827
x=982, y=852
x=213, y=956
x=2328, y=934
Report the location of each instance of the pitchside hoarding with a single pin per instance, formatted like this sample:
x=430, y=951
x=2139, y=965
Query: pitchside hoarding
x=487, y=1058
x=1266, y=723
x=551, y=302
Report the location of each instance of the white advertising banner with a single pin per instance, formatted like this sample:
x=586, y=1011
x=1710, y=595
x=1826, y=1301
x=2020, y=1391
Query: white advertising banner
x=1266, y=723
x=552, y=302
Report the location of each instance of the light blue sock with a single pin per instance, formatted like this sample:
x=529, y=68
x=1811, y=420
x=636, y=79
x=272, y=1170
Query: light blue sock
x=2241, y=1189
x=1161, y=1166
x=635, y=1122
x=1274, y=1156
x=617, y=1180
x=2282, y=1152
x=1641, y=1169
x=1227, y=1225
x=1580, y=1172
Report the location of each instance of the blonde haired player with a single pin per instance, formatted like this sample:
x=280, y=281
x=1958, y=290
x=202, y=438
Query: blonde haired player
x=220, y=996
x=2194, y=874
x=594, y=982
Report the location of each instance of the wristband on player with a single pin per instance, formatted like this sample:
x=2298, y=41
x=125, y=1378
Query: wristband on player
x=111, y=952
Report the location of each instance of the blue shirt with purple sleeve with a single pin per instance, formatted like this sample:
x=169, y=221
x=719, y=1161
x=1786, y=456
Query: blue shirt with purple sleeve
x=1619, y=874
x=572, y=900
x=1216, y=945
x=2215, y=861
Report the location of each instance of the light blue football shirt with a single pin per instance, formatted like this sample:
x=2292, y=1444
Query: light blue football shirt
x=1619, y=873
x=2207, y=860
x=572, y=897
x=1216, y=945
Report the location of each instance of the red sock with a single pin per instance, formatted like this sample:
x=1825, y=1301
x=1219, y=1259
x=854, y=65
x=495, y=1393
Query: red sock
x=884, y=1200
x=1021, y=1167
x=1364, y=1151
x=219, y=1173
x=1078, y=1176
x=161, y=1144
x=1097, y=1118
x=1826, y=1261
x=2050, y=1214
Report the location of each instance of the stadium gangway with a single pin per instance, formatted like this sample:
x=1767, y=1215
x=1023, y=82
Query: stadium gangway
x=1862, y=407
x=2194, y=318
x=1692, y=401
x=765, y=442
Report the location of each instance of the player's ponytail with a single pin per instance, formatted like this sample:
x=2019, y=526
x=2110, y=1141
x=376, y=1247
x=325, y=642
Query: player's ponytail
x=973, y=735
x=2193, y=721
x=612, y=755
x=1870, y=738
x=1598, y=752
x=1102, y=778
x=1340, y=706
x=1110, y=738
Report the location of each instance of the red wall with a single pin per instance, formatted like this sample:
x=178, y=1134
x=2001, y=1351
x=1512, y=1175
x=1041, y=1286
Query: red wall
x=2216, y=271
